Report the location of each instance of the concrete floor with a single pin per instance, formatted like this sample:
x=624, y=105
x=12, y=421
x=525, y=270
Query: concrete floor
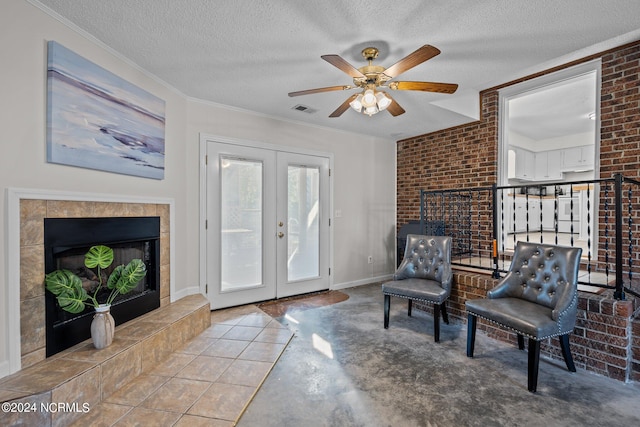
x=342, y=368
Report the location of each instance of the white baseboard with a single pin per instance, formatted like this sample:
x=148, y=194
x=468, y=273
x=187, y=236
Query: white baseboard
x=192, y=290
x=5, y=369
x=361, y=282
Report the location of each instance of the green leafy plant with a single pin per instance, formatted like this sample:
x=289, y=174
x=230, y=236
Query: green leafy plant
x=71, y=295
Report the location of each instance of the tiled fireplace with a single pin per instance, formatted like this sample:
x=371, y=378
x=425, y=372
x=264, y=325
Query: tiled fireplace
x=67, y=240
x=32, y=262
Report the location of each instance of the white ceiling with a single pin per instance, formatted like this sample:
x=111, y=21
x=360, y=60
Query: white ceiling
x=249, y=54
x=556, y=110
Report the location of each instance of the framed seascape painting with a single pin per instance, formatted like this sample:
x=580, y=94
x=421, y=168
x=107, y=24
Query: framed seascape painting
x=97, y=120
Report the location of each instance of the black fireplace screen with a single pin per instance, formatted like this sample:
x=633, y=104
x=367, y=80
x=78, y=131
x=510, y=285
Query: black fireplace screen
x=66, y=241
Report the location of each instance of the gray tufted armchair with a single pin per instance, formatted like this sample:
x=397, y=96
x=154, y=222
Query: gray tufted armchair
x=538, y=298
x=424, y=275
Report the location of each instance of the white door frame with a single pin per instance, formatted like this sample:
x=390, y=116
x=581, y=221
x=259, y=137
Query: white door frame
x=202, y=226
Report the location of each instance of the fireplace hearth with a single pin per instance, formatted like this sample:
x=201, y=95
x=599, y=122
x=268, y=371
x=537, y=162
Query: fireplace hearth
x=66, y=240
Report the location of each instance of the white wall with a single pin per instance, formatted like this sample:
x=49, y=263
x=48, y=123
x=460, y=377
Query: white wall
x=364, y=168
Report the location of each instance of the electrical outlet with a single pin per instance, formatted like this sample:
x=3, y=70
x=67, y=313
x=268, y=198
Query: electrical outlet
x=370, y=260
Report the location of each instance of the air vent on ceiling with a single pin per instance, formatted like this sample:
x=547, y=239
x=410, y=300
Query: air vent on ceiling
x=304, y=109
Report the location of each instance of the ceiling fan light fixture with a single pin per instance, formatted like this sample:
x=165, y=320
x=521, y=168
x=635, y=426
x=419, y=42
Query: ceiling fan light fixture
x=356, y=104
x=382, y=100
x=370, y=111
x=368, y=98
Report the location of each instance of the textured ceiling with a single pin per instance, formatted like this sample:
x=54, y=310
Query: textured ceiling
x=250, y=54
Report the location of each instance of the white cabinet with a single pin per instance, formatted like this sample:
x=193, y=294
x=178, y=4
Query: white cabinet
x=524, y=164
x=521, y=212
x=578, y=158
x=548, y=165
x=534, y=214
x=548, y=220
x=569, y=214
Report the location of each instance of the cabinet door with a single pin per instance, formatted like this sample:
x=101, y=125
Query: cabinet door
x=571, y=158
x=521, y=215
x=554, y=164
x=548, y=208
x=548, y=165
x=541, y=166
x=588, y=156
x=525, y=164
x=578, y=158
x=534, y=214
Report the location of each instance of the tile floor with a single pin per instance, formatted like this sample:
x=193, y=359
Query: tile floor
x=209, y=382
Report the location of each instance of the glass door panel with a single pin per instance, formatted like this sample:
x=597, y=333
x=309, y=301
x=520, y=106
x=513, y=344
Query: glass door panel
x=303, y=198
x=241, y=223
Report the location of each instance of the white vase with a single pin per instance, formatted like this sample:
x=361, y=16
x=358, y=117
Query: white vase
x=102, y=327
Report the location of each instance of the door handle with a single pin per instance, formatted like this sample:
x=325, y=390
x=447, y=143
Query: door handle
x=280, y=234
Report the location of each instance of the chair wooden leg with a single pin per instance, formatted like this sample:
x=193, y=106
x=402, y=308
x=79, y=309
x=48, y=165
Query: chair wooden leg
x=471, y=334
x=520, y=342
x=387, y=306
x=443, y=309
x=409, y=306
x=436, y=322
x=566, y=352
x=534, y=362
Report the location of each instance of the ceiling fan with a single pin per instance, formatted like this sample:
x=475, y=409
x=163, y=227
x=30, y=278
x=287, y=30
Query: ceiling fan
x=371, y=78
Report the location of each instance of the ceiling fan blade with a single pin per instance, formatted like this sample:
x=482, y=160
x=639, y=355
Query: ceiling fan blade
x=425, y=86
x=343, y=107
x=394, y=108
x=319, y=90
x=343, y=65
x=411, y=60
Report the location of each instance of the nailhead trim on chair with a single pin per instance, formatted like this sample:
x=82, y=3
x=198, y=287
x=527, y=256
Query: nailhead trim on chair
x=520, y=332
x=558, y=334
x=430, y=301
x=563, y=312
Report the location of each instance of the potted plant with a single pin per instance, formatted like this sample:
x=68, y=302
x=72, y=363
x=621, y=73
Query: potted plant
x=73, y=297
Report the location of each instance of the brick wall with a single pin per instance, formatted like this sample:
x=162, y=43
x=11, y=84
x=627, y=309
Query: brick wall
x=607, y=335
x=460, y=157
x=620, y=112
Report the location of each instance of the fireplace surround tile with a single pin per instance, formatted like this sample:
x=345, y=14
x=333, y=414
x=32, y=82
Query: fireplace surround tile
x=86, y=352
x=156, y=349
x=32, y=215
x=120, y=369
x=38, y=418
x=165, y=274
x=181, y=332
x=32, y=268
x=45, y=376
x=138, y=330
x=72, y=209
x=33, y=324
x=83, y=388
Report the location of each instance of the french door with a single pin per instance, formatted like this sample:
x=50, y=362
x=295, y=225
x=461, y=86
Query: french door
x=267, y=224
